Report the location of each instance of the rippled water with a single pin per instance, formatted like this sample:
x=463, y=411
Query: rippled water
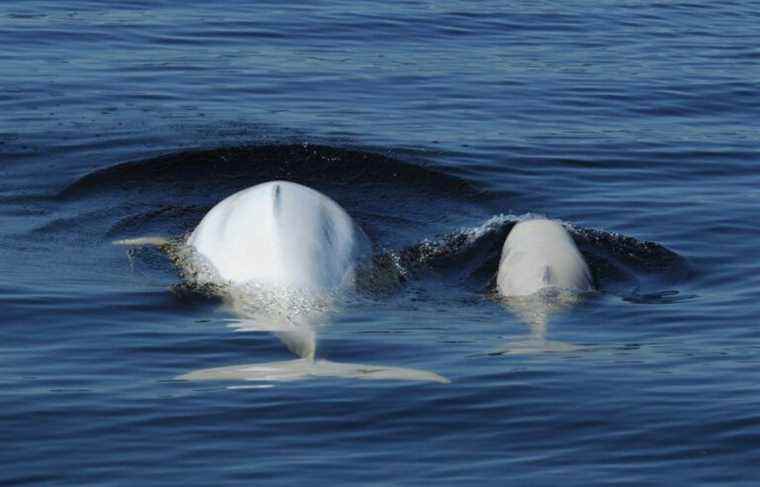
x=437, y=125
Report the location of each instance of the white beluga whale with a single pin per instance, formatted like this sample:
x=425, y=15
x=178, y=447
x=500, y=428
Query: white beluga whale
x=282, y=256
x=540, y=254
x=541, y=272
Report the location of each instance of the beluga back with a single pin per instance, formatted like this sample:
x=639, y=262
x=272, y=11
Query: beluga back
x=540, y=254
x=282, y=234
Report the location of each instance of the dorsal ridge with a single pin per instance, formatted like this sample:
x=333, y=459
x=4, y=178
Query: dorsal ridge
x=276, y=199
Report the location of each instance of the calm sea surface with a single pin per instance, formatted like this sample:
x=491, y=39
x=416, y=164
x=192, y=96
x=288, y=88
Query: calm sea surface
x=437, y=125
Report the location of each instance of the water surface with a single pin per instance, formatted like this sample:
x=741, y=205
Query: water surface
x=437, y=126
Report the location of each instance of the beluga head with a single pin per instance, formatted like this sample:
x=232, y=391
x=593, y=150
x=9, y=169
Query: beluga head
x=541, y=272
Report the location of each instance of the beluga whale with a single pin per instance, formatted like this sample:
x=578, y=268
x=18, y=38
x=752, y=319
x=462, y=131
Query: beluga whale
x=540, y=254
x=282, y=256
x=541, y=272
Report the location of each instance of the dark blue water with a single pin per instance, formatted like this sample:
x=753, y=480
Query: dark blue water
x=437, y=125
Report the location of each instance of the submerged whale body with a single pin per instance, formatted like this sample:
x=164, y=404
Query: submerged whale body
x=540, y=254
x=282, y=252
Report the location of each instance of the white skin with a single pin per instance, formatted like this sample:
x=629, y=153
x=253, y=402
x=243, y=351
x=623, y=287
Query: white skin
x=282, y=234
x=540, y=254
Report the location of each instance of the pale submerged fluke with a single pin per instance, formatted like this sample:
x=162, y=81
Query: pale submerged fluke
x=304, y=368
x=283, y=254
